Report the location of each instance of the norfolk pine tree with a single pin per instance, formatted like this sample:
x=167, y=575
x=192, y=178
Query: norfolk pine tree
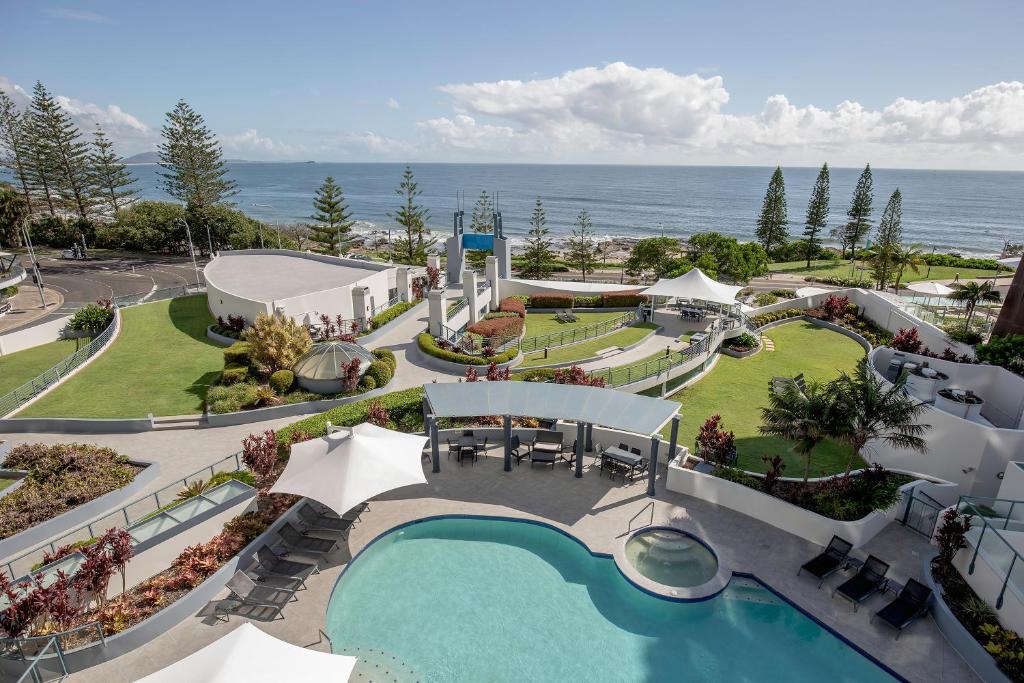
x=14, y=146
x=537, y=257
x=194, y=170
x=817, y=214
x=480, y=223
x=332, y=217
x=582, y=252
x=111, y=181
x=888, y=239
x=772, y=230
x=66, y=154
x=411, y=248
x=858, y=222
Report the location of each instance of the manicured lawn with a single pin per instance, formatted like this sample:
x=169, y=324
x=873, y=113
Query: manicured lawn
x=589, y=349
x=842, y=269
x=545, y=323
x=18, y=368
x=737, y=388
x=161, y=363
x=4, y=483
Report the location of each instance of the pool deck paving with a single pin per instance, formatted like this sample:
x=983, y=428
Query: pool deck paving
x=598, y=512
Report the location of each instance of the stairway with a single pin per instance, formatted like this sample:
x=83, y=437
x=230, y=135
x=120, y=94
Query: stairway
x=179, y=422
x=769, y=345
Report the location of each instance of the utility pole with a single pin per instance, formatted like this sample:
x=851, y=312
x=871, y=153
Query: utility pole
x=276, y=228
x=35, y=264
x=191, y=249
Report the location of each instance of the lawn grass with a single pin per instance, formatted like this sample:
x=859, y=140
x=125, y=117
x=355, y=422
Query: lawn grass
x=20, y=367
x=161, y=363
x=545, y=323
x=4, y=483
x=589, y=349
x=841, y=268
x=737, y=388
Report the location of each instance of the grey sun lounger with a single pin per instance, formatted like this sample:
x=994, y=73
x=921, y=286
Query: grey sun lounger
x=297, y=541
x=266, y=600
x=911, y=604
x=312, y=520
x=829, y=562
x=270, y=563
x=865, y=583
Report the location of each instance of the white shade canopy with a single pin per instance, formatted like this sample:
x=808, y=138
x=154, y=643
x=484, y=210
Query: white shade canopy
x=695, y=285
x=810, y=291
x=930, y=288
x=1012, y=261
x=248, y=654
x=344, y=469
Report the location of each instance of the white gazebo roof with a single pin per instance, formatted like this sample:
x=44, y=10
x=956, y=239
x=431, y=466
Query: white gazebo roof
x=931, y=288
x=346, y=468
x=695, y=285
x=248, y=654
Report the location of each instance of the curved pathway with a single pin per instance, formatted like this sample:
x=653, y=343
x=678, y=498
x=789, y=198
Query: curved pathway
x=667, y=336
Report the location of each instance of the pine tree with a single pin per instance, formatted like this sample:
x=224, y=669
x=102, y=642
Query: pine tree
x=772, y=230
x=888, y=239
x=67, y=155
x=817, y=214
x=481, y=223
x=859, y=214
x=14, y=144
x=40, y=170
x=411, y=248
x=582, y=251
x=194, y=169
x=111, y=180
x=537, y=257
x=332, y=217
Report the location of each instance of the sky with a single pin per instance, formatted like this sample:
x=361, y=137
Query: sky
x=906, y=84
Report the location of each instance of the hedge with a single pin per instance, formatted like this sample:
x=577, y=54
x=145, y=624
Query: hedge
x=587, y=301
x=234, y=373
x=622, y=299
x=498, y=327
x=281, y=381
x=405, y=408
x=429, y=346
x=512, y=305
x=388, y=357
x=238, y=353
x=551, y=301
x=367, y=382
x=535, y=375
x=386, y=316
x=765, y=318
x=381, y=373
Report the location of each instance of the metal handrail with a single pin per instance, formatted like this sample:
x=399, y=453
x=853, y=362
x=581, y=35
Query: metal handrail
x=650, y=504
x=32, y=672
x=122, y=517
x=8, y=646
x=456, y=307
x=634, y=373
x=967, y=504
x=482, y=286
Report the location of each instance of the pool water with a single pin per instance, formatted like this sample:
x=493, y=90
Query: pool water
x=672, y=558
x=468, y=599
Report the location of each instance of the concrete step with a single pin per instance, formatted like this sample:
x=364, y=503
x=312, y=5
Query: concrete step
x=179, y=422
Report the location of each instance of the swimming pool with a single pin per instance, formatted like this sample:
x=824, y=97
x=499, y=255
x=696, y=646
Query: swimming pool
x=482, y=599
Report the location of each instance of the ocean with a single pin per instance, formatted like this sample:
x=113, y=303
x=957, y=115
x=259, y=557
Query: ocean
x=964, y=211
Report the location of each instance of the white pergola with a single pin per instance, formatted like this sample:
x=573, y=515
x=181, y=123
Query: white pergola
x=694, y=284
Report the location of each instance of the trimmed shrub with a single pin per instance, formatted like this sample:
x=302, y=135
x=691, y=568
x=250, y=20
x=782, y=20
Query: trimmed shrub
x=587, y=301
x=92, y=318
x=1004, y=350
x=233, y=373
x=381, y=373
x=551, y=301
x=521, y=298
x=367, y=383
x=512, y=305
x=231, y=399
x=498, y=327
x=622, y=299
x=388, y=357
x=405, y=408
x=387, y=315
x=281, y=381
x=429, y=346
x=765, y=298
x=535, y=375
x=765, y=318
x=239, y=353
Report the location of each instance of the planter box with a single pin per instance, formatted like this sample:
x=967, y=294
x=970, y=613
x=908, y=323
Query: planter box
x=425, y=359
x=219, y=338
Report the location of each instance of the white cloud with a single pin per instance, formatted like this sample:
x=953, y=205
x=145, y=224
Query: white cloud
x=393, y=103
x=77, y=15
x=623, y=113
x=251, y=141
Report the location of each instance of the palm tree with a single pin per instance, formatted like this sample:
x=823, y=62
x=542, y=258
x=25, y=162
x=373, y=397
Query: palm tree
x=973, y=293
x=800, y=417
x=906, y=257
x=863, y=410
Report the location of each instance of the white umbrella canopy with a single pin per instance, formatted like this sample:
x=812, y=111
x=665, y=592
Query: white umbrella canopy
x=930, y=288
x=1012, y=261
x=694, y=284
x=248, y=654
x=345, y=469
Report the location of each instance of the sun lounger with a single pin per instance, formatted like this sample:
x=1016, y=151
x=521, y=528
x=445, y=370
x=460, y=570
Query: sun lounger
x=909, y=605
x=868, y=580
x=829, y=562
x=297, y=541
x=270, y=563
x=314, y=521
x=266, y=599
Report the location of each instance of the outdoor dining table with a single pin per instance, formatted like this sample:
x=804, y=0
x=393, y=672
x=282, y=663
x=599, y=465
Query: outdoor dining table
x=622, y=457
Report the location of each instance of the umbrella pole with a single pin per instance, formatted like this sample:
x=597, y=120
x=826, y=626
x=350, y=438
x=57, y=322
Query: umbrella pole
x=435, y=453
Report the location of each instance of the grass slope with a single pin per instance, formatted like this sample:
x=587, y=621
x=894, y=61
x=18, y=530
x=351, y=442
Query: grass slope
x=161, y=363
x=545, y=323
x=589, y=349
x=840, y=268
x=18, y=368
x=737, y=388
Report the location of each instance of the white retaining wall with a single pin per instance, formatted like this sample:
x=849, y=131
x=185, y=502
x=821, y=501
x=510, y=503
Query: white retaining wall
x=36, y=335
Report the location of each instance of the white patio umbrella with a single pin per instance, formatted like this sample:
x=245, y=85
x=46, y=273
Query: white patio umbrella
x=930, y=288
x=248, y=654
x=344, y=469
x=1011, y=261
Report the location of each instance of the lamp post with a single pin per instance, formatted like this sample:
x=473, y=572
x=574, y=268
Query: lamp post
x=35, y=264
x=276, y=228
x=191, y=248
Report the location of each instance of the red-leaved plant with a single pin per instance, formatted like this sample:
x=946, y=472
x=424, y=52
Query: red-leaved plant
x=906, y=340
x=377, y=414
x=576, y=375
x=496, y=374
x=714, y=444
x=259, y=453
x=835, y=306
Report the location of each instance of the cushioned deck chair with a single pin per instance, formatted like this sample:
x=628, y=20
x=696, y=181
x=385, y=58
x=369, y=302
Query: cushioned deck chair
x=517, y=450
x=829, y=562
x=297, y=541
x=868, y=580
x=270, y=563
x=312, y=520
x=909, y=605
x=258, y=601
x=350, y=516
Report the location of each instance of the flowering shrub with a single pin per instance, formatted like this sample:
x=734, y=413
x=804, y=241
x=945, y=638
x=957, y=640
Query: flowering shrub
x=471, y=374
x=906, y=340
x=716, y=445
x=259, y=453
x=576, y=375
x=510, y=305
x=60, y=478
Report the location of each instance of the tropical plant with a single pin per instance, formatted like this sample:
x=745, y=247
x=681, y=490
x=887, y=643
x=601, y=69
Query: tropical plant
x=259, y=453
x=578, y=376
x=865, y=409
x=801, y=417
x=1006, y=351
x=906, y=340
x=904, y=257
x=276, y=342
x=774, y=473
x=716, y=445
x=377, y=414
x=972, y=294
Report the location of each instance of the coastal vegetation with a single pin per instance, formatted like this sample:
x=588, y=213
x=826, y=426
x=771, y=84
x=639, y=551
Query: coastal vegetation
x=537, y=256
x=332, y=220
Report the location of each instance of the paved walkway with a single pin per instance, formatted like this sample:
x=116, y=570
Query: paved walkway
x=667, y=337
x=597, y=511
x=26, y=308
x=411, y=371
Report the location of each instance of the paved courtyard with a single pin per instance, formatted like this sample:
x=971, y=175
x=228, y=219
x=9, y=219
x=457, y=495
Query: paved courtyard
x=598, y=512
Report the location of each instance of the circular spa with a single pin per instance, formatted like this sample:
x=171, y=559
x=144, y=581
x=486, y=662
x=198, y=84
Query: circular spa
x=671, y=557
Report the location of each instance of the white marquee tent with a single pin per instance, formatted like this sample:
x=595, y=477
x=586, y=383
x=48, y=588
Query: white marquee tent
x=346, y=468
x=248, y=654
x=695, y=285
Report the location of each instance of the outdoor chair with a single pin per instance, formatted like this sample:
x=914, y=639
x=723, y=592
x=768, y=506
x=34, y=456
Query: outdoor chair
x=868, y=580
x=350, y=516
x=299, y=542
x=516, y=447
x=623, y=447
x=313, y=521
x=800, y=383
x=909, y=605
x=829, y=562
x=453, y=448
x=467, y=453
x=644, y=462
x=270, y=563
x=248, y=593
x=481, y=447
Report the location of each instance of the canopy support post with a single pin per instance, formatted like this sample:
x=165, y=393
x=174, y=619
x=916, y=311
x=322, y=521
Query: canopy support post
x=590, y=437
x=674, y=438
x=581, y=438
x=435, y=452
x=652, y=472
x=507, y=430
